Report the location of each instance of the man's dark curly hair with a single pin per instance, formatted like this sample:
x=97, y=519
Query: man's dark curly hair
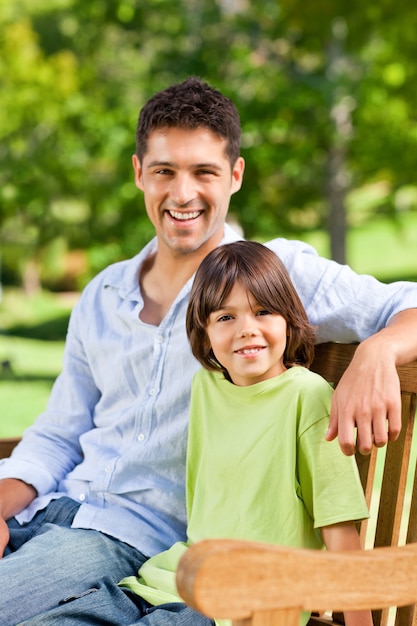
x=191, y=104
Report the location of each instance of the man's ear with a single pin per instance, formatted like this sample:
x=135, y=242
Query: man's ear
x=237, y=174
x=137, y=168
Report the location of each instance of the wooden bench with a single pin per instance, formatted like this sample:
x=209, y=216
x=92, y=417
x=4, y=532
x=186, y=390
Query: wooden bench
x=265, y=585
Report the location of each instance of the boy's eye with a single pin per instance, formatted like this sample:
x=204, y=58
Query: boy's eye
x=224, y=318
x=263, y=312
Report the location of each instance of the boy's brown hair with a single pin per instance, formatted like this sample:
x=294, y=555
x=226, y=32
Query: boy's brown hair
x=261, y=273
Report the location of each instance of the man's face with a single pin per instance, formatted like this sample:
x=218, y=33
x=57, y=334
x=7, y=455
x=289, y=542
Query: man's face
x=187, y=182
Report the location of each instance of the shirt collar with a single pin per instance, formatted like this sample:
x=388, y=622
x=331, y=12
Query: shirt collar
x=124, y=275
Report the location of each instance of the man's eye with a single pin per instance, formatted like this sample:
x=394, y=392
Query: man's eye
x=204, y=173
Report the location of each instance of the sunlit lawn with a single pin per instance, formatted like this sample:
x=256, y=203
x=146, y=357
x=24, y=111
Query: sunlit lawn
x=381, y=248
x=25, y=387
x=32, y=334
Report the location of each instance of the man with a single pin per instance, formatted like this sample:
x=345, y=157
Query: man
x=97, y=484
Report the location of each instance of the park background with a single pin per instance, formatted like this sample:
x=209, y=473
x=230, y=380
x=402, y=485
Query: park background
x=328, y=103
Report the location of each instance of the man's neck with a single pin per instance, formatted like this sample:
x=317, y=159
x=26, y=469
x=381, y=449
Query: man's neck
x=161, y=280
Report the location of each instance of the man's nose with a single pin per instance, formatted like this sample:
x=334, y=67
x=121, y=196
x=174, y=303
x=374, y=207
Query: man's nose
x=182, y=190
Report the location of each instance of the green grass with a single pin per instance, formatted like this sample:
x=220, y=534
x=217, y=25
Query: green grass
x=383, y=248
x=32, y=332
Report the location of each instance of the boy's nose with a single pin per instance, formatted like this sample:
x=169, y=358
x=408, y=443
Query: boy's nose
x=248, y=329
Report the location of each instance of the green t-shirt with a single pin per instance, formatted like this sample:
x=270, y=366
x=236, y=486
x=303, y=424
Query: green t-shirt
x=258, y=468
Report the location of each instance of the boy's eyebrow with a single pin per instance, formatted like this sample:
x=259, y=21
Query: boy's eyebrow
x=224, y=307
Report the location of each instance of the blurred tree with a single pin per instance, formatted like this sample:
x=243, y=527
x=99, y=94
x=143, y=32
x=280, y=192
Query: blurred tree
x=325, y=91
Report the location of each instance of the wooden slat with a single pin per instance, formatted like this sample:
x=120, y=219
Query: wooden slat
x=7, y=445
x=331, y=360
x=394, y=479
x=367, y=468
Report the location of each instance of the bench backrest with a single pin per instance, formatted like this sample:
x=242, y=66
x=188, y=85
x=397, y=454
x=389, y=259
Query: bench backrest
x=387, y=475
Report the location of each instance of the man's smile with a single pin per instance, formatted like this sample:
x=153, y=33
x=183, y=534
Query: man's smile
x=183, y=216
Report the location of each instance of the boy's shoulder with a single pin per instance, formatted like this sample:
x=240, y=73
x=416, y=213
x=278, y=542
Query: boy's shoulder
x=310, y=378
x=309, y=385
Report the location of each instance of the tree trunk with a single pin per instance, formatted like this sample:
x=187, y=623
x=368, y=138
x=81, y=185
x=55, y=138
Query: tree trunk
x=341, y=106
x=336, y=194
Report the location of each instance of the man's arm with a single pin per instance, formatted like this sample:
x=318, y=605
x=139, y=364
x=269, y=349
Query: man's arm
x=368, y=395
x=15, y=495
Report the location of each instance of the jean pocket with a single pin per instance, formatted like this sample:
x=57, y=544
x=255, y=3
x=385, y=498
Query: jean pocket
x=77, y=596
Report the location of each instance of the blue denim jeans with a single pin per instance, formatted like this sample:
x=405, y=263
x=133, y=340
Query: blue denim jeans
x=53, y=574
x=47, y=561
x=109, y=605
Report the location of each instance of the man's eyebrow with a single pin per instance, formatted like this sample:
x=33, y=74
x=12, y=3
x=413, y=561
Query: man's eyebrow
x=160, y=164
x=210, y=166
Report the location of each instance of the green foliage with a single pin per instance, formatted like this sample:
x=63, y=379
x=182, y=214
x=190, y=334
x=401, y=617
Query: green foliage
x=326, y=93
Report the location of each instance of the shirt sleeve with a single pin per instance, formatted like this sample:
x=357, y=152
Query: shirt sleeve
x=329, y=480
x=342, y=305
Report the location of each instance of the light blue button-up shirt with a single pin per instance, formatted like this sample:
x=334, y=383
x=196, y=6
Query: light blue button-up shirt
x=114, y=433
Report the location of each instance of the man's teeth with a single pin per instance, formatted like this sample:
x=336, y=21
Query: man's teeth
x=184, y=216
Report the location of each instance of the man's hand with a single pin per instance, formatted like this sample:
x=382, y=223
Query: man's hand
x=367, y=399
x=4, y=536
x=15, y=495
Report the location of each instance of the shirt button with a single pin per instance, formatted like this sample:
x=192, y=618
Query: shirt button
x=160, y=339
x=152, y=392
x=82, y=497
x=141, y=437
x=107, y=469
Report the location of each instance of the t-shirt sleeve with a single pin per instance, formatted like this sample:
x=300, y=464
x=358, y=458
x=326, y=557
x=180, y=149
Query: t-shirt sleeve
x=329, y=481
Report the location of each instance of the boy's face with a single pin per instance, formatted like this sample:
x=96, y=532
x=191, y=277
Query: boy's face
x=187, y=182
x=246, y=339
